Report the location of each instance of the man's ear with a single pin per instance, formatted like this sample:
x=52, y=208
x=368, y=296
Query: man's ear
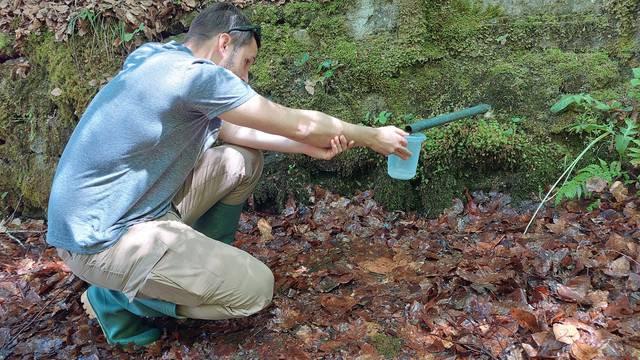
x=224, y=43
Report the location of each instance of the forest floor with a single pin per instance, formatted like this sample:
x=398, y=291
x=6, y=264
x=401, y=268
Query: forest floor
x=355, y=281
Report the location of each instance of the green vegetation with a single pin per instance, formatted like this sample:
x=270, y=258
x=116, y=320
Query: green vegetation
x=613, y=122
x=433, y=67
x=39, y=111
x=387, y=346
x=435, y=58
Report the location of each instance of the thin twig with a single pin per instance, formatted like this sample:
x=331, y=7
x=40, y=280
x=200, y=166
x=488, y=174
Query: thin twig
x=7, y=231
x=627, y=256
x=14, y=341
x=469, y=347
x=564, y=175
x=13, y=238
x=10, y=219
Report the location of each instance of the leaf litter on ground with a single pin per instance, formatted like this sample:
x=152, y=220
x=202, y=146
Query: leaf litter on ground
x=356, y=281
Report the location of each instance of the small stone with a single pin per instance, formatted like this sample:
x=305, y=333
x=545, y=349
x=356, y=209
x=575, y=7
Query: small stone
x=302, y=36
x=619, y=191
x=291, y=293
x=327, y=284
x=633, y=282
x=619, y=268
x=457, y=208
x=373, y=16
x=596, y=184
x=610, y=214
x=56, y=92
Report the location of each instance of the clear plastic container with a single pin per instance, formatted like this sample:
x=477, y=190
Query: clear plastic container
x=406, y=169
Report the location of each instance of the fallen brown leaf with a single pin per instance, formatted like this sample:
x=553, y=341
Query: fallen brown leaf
x=265, y=229
x=566, y=333
x=576, y=289
x=525, y=319
x=381, y=265
x=582, y=351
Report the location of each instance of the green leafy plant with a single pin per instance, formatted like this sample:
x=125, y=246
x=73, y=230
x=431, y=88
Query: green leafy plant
x=385, y=118
x=579, y=185
x=324, y=71
x=517, y=119
x=634, y=153
x=583, y=101
x=327, y=68
x=302, y=60
x=407, y=119
x=125, y=36
x=623, y=138
x=594, y=205
x=382, y=118
x=84, y=14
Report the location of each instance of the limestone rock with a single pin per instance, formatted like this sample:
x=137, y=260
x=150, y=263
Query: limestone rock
x=371, y=16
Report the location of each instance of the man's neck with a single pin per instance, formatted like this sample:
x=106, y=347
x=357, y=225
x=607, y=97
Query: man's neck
x=202, y=52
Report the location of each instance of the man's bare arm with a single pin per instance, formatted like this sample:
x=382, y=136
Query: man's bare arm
x=241, y=135
x=313, y=127
x=257, y=139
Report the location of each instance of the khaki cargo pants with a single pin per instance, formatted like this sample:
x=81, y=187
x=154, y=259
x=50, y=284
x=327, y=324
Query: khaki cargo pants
x=168, y=260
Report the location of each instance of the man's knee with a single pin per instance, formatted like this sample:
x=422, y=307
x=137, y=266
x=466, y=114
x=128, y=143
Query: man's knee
x=261, y=292
x=254, y=161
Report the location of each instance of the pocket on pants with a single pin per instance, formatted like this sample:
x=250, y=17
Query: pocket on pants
x=123, y=266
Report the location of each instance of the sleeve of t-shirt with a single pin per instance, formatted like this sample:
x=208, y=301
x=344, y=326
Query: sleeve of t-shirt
x=212, y=90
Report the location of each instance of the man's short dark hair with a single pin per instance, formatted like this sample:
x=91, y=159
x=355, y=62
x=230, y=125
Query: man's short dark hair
x=219, y=18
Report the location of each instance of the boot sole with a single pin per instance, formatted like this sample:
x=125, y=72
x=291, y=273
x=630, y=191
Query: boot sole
x=86, y=304
x=88, y=308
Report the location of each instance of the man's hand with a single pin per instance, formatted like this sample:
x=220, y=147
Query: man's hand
x=390, y=140
x=339, y=144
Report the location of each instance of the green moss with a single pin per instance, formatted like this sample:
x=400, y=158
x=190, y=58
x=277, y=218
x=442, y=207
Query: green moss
x=35, y=124
x=387, y=346
x=441, y=58
x=438, y=57
x=5, y=41
x=625, y=13
x=71, y=67
x=25, y=109
x=6, y=47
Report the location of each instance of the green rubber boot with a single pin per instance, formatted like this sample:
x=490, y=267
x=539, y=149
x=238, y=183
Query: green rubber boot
x=121, y=320
x=220, y=222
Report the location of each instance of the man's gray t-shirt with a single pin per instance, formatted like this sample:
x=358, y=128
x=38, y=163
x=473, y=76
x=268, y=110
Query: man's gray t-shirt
x=136, y=143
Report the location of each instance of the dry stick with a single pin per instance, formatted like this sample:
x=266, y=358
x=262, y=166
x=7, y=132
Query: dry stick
x=14, y=210
x=8, y=220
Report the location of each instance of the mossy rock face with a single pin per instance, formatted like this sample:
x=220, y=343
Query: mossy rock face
x=437, y=59
x=38, y=112
x=411, y=58
x=561, y=7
